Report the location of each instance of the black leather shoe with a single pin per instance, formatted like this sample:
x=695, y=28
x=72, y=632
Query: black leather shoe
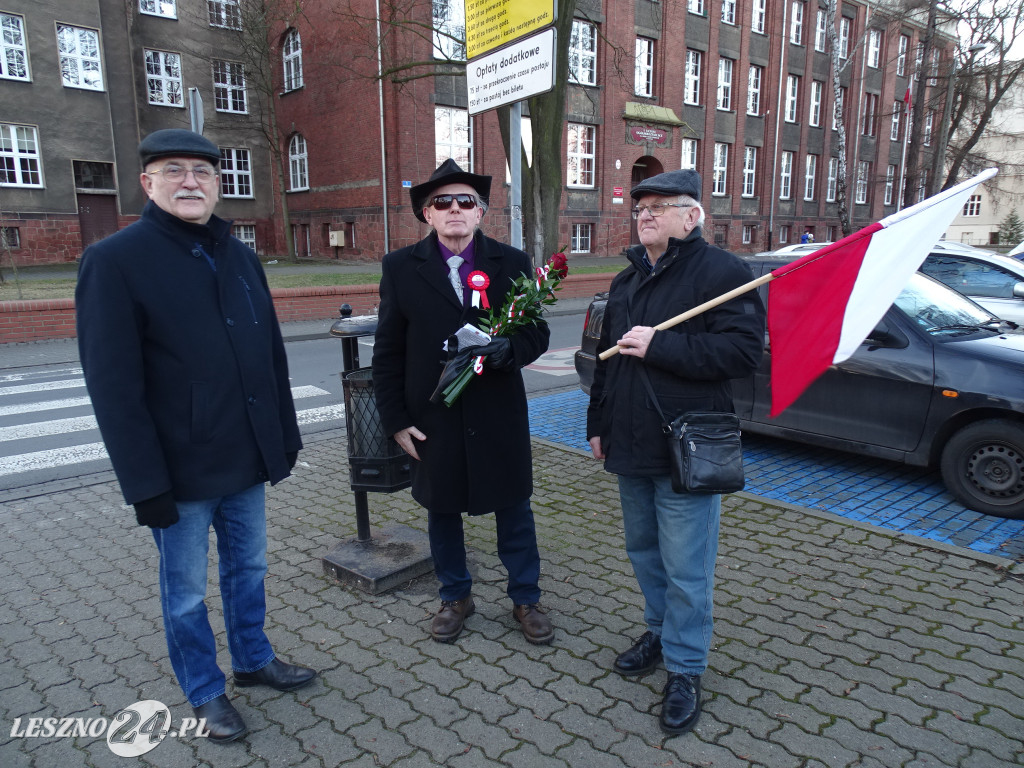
x=221, y=720
x=641, y=658
x=278, y=675
x=680, y=708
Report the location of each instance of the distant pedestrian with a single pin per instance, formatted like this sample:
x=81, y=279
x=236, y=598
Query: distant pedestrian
x=671, y=538
x=807, y=237
x=186, y=369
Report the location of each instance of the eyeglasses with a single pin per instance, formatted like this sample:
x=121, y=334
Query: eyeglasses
x=657, y=209
x=444, y=202
x=204, y=174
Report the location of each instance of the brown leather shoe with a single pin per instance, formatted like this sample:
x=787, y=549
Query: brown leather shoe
x=536, y=626
x=447, y=623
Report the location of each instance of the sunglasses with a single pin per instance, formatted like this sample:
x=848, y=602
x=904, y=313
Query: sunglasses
x=444, y=202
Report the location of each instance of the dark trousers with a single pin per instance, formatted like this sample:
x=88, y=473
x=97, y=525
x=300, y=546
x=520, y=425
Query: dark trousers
x=517, y=549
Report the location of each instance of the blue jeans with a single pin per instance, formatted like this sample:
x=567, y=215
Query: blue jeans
x=672, y=542
x=517, y=550
x=240, y=523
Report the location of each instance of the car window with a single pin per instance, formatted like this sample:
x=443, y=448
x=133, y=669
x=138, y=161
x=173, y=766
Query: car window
x=975, y=278
x=937, y=309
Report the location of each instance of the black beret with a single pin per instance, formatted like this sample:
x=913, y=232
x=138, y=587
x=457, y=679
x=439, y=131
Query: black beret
x=177, y=142
x=684, y=182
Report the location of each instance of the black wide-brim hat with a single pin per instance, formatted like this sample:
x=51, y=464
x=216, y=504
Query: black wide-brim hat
x=448, y=172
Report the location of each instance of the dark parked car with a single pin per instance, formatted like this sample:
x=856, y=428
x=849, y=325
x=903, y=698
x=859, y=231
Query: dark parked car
x=937, y=383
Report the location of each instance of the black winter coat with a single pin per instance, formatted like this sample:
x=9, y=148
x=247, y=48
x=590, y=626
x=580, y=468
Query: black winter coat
x=476, y=457
x=185, y=365
x=689, y=365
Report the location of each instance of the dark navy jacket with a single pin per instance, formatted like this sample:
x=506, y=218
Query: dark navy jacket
x=184, y=360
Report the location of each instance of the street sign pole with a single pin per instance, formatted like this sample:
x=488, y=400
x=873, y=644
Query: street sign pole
x=515, y=155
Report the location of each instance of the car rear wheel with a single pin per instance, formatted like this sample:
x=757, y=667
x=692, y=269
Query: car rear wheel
x=983, y=467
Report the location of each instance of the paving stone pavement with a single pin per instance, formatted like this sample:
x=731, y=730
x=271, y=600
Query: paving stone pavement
x=836, y=643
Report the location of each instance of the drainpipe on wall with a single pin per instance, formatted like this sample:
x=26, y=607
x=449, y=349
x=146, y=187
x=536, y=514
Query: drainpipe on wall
x=778, y=116
x=383, y=153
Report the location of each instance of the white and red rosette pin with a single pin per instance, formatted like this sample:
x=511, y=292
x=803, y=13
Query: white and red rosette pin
x=479, y=281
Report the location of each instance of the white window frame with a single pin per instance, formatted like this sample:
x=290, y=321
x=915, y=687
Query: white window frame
x=821, y=31
x=901, y=58
x=874, y=48
x=582, y=238
x=792, y=98
x=748, y=234
x=581, y=148
x=786, y=175
x=695, y=6
x=224, y=13
x=643, y=69
x=13, y=47
x=291, y=60
x=845, y=26
x=783, y=234
x=449, y=19
x=449, y=124
x=754, y=77
x=725, y=70
x=869, y=126
x=163, y=78
x=890, y=177
x=833, y=180
x=749, y=172
x=246, y=233
x=758, y=13
x=583, y=53
x=729, y=12
x=922, y=186
x=229, y=87
x=236, y=173
x=78, y=50
x=691, y=82
x=796, y=23
x=861, y=193
x=973, y=206
x=689, y=154
x=166, y=9
x=929, y=124
x=814, y=112
x=894, y=128
x=20, y=156
x=720, y=170
x=810, y=176
x=298, y=164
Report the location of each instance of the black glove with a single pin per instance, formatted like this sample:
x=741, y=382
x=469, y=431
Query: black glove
x=455, y=365
x=159, y=512
x=292, y=457
x=499, y=355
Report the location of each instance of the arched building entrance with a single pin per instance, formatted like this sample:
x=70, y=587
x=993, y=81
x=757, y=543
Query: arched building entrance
x=643, y=168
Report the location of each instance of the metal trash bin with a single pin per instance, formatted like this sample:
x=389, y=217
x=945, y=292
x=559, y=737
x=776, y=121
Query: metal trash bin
x=377, y=462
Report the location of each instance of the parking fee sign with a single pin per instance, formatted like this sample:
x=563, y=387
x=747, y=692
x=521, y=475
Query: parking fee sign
x=512, y=74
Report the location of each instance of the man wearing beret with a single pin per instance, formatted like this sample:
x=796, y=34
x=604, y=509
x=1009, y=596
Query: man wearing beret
x=473, y=457
x=186, y=368
x=671, y=538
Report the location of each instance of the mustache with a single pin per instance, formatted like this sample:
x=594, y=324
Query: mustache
x=189, y=193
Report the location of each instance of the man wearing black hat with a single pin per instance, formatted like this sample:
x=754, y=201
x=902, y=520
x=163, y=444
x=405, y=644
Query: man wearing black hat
x=186, y=368
x=671, y=538
x=473, y=457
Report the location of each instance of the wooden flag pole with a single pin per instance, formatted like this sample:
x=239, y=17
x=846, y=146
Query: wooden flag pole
x=699, y=309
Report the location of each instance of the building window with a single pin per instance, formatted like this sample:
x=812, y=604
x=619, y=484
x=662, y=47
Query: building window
x=754, y=76
x=229, y=87
x=929, y=120
x=796, y=24
x=10, y=238
x=901, y=58
x=728, y=11
x=13, y=49
x=94, y=175
x=837, y=109
x=79, y=51
x=583, y=53
x=933, y=67
x=163, y=78
x=235, y=173
x=783, y=234
x=749, y=171
x=224, y=13
x=689, y=154
x=758, y=11
x=833, y=180
x=844, y=38
x=298, y=164
x=874, y=48
x=830, y=233
x=786, y=176
x=810, y=176
x=894, y=128
x=870, y=114
x=643, y=70
x=890, y=177
x=20, y=164
x=453, y=137
x=695, y=6
x=246, y=233
x=792, y=93
x=973, y=206
x=748, y=233
x=691, y=84
x=918, y=60
x=922, y=186
x=581, y=237
x=165, y=8
x=821, y=31
x=450, y=30
x=580, y=167
x=291, y=56
x=861, y=193
x=719, y=169
x=725, y=84
x=817, y=91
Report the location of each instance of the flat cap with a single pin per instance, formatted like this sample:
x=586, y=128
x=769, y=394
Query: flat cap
x=177, y=142
x=684, y=182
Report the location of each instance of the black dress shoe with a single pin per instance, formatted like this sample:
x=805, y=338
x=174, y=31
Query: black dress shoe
x=221, y=720
x=278, y=675
x=641, y=658
x=681, y=705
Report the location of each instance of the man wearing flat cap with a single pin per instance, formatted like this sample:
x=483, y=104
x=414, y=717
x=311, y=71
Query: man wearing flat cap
x=473, y=457
x=671, y=538
x=186, y=368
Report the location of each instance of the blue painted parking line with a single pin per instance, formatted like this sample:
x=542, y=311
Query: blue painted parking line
x=911, y=500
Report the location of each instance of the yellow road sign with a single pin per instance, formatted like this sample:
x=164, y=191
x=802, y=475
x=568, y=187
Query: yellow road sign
x=491, y=24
